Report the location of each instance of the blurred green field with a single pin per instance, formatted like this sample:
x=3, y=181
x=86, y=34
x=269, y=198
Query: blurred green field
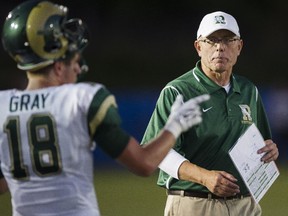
x=122, y=194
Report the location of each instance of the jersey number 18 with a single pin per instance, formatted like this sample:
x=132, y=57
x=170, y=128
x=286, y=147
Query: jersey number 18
x=43, y=144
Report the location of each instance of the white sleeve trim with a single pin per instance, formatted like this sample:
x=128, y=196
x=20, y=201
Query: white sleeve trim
x=171, y=163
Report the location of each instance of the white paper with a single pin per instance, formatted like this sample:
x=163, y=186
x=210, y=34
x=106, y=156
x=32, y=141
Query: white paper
x=257, y=175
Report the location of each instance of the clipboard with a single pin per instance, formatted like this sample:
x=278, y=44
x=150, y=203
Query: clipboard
x=257, y=175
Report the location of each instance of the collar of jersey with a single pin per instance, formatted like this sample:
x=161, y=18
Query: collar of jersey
x=210, y=85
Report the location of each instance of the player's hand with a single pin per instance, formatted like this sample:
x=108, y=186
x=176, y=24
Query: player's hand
x=185, y=115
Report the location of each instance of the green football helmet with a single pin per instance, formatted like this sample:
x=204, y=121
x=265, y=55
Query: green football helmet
x=37, y=33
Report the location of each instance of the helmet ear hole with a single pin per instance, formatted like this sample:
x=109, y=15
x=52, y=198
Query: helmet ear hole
x=52, y=40
x=51, y=46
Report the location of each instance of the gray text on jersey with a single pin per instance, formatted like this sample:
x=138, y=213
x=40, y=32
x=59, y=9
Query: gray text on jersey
x=27, y=102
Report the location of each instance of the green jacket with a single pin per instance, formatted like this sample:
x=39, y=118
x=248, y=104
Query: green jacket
x=225, y=118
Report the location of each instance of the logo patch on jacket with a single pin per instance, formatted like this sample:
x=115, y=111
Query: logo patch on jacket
x=246, y=111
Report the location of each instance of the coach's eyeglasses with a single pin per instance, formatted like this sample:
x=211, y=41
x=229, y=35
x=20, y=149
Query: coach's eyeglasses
x=213, y=41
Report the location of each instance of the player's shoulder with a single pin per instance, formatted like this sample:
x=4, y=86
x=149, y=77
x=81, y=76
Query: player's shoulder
x=86, y=91
x=8, y=93
x=82, y=88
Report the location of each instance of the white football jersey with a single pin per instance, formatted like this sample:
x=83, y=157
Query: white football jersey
x=46, y=148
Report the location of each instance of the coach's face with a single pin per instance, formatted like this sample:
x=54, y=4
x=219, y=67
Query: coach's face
x=219, y=51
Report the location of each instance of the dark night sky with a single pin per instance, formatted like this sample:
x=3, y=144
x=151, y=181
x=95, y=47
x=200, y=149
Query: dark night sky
x=148, y=43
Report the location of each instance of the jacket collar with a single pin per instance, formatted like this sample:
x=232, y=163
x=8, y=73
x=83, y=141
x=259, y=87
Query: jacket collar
x=210, y=85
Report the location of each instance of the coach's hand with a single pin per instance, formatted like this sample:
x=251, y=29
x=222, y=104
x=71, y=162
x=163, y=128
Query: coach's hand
x=220, y=183
x=185, y=115
x=270, y=151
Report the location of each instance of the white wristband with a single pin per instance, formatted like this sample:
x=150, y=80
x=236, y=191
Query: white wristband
x=171, y=163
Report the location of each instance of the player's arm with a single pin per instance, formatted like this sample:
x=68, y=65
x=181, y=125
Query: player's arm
x=144, y=160
x=3, y=184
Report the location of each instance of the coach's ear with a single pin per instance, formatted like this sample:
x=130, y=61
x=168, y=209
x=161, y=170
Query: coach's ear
x=198, y=47
x=240, y=45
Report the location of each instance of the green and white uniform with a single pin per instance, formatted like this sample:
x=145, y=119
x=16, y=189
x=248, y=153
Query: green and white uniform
x=225, y=117
x=47, y=139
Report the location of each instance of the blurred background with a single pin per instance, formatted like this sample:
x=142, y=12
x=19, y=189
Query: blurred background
x=136, y=47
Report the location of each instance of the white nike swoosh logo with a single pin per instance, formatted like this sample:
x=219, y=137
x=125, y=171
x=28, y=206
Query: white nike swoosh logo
x=205, y=110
